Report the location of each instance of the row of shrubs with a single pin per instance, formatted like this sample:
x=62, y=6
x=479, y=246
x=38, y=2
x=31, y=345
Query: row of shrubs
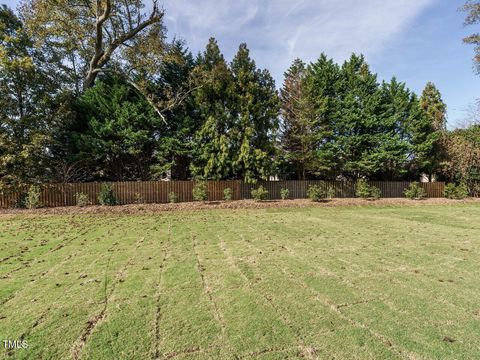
x=315, y=193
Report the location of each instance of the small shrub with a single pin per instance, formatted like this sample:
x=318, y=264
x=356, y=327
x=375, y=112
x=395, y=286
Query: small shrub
x=106, y=196
x=450, y=191
x=200, y=192
x=32, y=200
x=375, y=193
x=227, y=194
x=365, y=191
x=330, y=193
x=362, y=189
x=459, y=192
x=284, y=193
x=172, y=197
x=475, y=190
x=21, y=201
x=415, y=192
x=315, y=193
x=260, y=194
x=138, y=198
x=81, y=199
x=462, y=191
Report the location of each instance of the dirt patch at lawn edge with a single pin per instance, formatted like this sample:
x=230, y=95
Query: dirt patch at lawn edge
x=241, y=204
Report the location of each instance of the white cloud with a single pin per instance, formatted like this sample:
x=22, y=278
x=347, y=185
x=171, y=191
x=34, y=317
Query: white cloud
x=277, y=31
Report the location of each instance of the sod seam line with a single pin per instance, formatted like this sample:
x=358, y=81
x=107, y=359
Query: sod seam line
x=268, y=300
x=100, y=317
x=216, y=311
x=384, y=340
x=158, y=313
x=332, y=307
x=44, y=274
x=44, y=314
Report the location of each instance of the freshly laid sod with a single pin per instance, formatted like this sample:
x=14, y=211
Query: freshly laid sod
x=327, y=283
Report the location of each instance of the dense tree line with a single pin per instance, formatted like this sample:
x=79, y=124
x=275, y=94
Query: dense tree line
x=94, y=92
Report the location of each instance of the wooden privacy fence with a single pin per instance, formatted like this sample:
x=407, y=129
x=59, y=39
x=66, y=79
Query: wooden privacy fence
x=343, y=189
x=158, y=191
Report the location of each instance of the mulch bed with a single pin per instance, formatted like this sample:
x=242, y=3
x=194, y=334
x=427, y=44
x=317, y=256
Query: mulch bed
x=242, y=204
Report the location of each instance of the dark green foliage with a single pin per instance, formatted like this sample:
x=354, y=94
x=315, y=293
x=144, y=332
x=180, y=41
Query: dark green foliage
x=341, y=121
x=321, y=111
x=415, y=192
x=360, y=123
x=227, y=194
x=455, y=192
x=106, y=196
x=238, y=109
x=209, y=119
x=427, y=132
x=119, y=131
x=21, y=201
x=298, y=140
x=284, y=193
x=200, y=191
x=257, y=106
x=214, y=145
x=260, y=193
x=365, y=191
x=174, y=148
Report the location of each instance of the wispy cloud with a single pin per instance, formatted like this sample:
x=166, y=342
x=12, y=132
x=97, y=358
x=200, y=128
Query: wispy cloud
x=279, y=30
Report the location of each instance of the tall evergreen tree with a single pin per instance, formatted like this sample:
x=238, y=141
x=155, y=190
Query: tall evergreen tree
x=359, y=128
x=213, y=144
x=435, y=109
x=428, y=132
x=257, y=106
x=173, y=151
x=119, y=131
x=294, y=130
x=322, y=111
x=299, y=140
x=399, y=110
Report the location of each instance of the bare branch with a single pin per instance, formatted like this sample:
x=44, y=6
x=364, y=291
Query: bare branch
x=103, y=54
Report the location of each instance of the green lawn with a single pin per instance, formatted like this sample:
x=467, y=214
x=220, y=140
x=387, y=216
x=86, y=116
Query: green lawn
x=327, y=283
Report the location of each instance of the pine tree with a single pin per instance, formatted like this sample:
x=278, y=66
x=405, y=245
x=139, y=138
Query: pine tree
x=214, y=142
x=321, y=111
x=359, y=126
x=297, y=136
x=435, y=109
x=174, y=150
x=257, y=106
x=429, y=131
x=399, y=109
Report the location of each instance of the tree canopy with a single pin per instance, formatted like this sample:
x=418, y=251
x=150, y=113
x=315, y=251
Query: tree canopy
x=93, y=91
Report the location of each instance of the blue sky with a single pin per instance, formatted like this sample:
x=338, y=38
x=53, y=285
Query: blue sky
x=415, y=40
